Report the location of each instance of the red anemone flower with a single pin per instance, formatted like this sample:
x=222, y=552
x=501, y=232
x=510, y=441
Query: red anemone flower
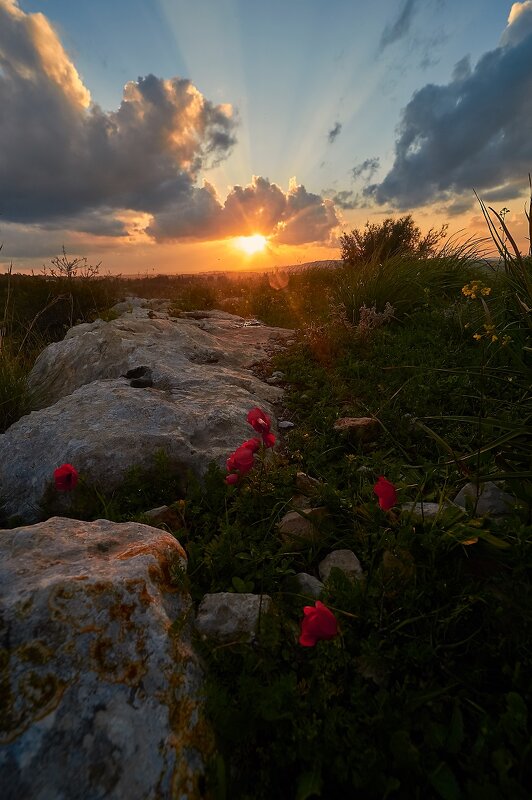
x=259, y=421
x=65, y=478
x=318, y=623
x=386, y=493
x=241, y=461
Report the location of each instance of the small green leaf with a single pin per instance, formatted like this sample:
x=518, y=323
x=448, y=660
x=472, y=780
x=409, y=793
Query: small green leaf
x=309, y=785
x=444, y=782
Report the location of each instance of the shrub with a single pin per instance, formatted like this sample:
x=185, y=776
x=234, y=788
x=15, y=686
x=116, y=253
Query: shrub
x=390, y=238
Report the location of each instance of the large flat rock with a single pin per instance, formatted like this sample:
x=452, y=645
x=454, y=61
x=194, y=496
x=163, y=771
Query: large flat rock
x=92, y=417
x=100, y=687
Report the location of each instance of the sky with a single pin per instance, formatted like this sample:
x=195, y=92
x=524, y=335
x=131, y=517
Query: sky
x=179, y=136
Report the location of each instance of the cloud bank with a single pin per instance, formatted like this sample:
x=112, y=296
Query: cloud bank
x=471, y=133
x=66, y=162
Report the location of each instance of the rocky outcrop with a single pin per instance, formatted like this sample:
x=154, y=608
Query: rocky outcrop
x=100, y=687
x=95, y=416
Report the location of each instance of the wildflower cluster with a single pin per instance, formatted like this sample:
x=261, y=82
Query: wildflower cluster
x=241, y=461
x=476, y=289
x=490, y=333
x=370, y=318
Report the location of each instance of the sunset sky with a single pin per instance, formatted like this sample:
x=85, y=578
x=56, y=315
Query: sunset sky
x=158, y=135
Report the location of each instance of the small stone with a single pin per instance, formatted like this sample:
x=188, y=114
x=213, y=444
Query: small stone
x=164, y=515
x=278, y=375
x=299, y=529
x=305, y=484
x=228, y=616
x=285, y=425
x=306, y=584
x=344, y=560
x=491, y=499
x=359, y=429
x=425, y=510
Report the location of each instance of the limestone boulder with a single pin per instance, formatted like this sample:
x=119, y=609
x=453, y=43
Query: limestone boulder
x=101, y=688
x=95, y=417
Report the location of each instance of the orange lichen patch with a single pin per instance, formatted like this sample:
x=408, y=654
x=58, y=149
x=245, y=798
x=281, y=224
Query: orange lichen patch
x=35, y=652
x=25, y=607
x=190, y=728
x=138, y=587
x=122, y=612
x=161, y=548
x=79, y=578
x=35, y=697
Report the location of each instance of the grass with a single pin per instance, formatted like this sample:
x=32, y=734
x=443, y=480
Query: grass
x=426, y=691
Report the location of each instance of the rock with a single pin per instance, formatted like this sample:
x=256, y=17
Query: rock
x=491, y=499
x=306, y=584
x=425, y=510
x=299, y=529
x=285, y=425
x=344, y=560
x=276, y=377
x=164, y=515
x=102, y=698
x=96, y=421
x=358, y=429
x=138, y=372
x=305, y=484
x=228, y=616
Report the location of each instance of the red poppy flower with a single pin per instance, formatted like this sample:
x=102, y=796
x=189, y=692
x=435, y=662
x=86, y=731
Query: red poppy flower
x=65, y=477
x=259, y=421
x=318, y=623
x=241, y=461
x=386, y=493
x=268, y=439
x=232, y=478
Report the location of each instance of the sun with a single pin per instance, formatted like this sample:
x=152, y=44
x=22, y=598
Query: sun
x=251, y=244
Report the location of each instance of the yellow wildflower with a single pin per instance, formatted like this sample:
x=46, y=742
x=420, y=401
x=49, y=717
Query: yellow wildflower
x=477, y=336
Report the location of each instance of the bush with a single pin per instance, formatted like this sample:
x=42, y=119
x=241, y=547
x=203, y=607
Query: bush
x=390, y=238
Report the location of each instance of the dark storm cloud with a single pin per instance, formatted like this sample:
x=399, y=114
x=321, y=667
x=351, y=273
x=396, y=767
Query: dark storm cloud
x=471, y=133
x=333, y=133
x=60, y=155
x=400, y=27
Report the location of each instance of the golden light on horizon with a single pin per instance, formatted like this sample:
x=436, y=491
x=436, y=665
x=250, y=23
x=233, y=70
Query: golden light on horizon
x=251, y=244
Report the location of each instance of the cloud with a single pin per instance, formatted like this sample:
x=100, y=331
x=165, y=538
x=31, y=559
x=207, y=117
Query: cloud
x=333, y=133
x=401, y=27
x=519, y=24
x=366, y=169
x=346, y=200
x=293, y=217
x=471, y=133
x=60, y=155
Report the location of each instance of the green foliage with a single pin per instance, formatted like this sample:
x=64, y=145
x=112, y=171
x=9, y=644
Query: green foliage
x=142, y=488
x=388, y=239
